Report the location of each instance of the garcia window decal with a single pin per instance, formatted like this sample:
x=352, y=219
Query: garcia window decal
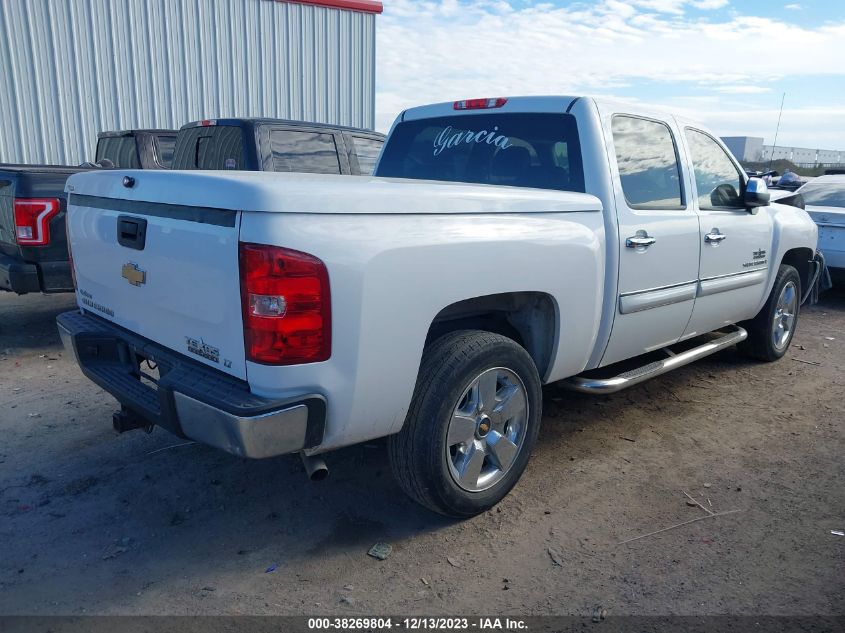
x=448, y=138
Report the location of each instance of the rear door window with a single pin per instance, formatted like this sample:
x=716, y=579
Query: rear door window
x=301, y=151
x=520, y=150
x=120, y=150
x=648, y=163
x=215, y=147
x=365, y=150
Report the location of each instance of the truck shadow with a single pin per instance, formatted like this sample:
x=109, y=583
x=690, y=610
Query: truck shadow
x=146, y=512
x=29, y=322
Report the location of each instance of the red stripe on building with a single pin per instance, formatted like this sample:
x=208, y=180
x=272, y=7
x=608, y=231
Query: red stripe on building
x=367, y=6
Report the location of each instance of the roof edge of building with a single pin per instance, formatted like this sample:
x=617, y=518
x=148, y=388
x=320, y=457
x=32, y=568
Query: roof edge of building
x=365, y=6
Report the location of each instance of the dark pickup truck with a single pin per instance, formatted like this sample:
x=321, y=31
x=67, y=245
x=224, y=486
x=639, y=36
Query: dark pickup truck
x=33, y=246
x=276, y=145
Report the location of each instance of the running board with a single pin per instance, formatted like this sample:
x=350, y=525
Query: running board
x=640, y=374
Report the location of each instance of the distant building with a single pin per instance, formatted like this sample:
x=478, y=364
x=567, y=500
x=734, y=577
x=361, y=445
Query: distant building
x=751, y=149
x=745, y=148
x=72, y=68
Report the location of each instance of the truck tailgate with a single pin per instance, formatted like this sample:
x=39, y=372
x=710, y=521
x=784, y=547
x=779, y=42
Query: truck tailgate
x=164, y=271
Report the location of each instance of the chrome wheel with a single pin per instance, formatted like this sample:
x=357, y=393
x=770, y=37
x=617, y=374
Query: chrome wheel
x=487, y=429
x=786, y=310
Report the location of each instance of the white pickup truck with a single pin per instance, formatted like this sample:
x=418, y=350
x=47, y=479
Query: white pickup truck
x=502, y=245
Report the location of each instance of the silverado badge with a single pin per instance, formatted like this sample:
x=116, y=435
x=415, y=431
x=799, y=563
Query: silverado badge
x=133, y=274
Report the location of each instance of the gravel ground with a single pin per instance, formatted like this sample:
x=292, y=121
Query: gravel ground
x=93, y=522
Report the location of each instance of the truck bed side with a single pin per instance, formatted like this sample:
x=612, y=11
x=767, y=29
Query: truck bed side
x=393, y=275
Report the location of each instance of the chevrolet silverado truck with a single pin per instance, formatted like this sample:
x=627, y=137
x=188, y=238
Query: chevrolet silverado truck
x=33, y=252
x=276, y=145
x=503, y=244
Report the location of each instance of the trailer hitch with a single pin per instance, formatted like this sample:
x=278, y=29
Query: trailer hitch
x=127, y=420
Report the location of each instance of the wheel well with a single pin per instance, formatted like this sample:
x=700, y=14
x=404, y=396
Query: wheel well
x=800, y=259
x=529, y=318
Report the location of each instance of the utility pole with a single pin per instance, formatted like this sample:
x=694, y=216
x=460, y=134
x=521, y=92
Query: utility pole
x=777, y=130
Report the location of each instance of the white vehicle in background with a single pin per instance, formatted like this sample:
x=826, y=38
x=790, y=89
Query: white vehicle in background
x=505, y=244
x=824, y=200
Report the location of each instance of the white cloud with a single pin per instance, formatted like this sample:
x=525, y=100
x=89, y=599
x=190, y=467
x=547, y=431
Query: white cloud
x=710, y=4
x=441, y=50
x=742, y=89
x=793, y=7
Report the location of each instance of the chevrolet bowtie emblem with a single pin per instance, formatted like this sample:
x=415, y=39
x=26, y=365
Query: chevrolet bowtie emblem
x=133, y=274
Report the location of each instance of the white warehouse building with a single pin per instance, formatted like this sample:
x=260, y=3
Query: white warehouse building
x=73, y=68
x=753, y=149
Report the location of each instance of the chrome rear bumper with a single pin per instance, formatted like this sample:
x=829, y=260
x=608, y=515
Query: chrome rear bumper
x=188, y=398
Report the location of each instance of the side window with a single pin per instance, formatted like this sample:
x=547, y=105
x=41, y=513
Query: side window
x=310, y=152
x=367, y=151
x=648, y=163
x=716, y=177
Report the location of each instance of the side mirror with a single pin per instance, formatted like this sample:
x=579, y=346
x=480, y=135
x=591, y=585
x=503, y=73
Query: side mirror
x=756, y=193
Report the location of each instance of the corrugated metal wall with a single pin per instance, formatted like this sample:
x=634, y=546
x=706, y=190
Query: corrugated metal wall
x=72, y=68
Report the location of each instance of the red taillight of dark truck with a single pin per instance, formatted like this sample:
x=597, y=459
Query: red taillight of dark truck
x=286, y=305
x=32, y=220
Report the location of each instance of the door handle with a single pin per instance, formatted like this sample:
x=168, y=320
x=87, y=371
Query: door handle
x=132, y=232
x=640, y=241
x=714, y=238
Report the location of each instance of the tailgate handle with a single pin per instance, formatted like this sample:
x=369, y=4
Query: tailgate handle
x=132, y=232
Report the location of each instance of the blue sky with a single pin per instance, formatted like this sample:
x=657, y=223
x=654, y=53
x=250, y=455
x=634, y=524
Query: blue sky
x=724, y=62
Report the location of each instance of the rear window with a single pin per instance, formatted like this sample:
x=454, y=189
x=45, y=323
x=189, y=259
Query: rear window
x=120, y=150
x=165, y=145
x=308, y=152
x=648, y=163
x=824, y=194
x=214, y=147
x=520, y=150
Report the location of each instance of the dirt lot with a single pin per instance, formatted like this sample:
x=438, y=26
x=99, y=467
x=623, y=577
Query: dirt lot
x=93, y=522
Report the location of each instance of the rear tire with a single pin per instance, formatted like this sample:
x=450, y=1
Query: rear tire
x=770, y=332
x=472, y=424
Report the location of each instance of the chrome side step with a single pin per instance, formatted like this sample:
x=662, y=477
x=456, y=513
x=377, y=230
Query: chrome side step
x=640, y=374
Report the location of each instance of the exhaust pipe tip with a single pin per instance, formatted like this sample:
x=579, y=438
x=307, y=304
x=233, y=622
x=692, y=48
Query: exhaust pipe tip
x=315, y=467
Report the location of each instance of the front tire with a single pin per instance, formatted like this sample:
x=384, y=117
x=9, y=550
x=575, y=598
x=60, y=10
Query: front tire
x=472, y=424
x=770, y=332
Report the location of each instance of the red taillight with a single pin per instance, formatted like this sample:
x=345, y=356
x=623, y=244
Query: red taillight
x=286, y=306
x=32, y=220
x=479, y=104
x=208, y=122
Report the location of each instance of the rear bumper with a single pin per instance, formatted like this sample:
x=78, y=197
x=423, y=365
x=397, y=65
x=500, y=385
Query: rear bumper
x=18, y=276
x=188, y=398
x=832, y=244
x=22, y=277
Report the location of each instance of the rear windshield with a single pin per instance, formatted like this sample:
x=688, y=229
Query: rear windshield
x=212, y=147
x=521, y=150
x=120, y=150
x=165, y=145
x=824, y=194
